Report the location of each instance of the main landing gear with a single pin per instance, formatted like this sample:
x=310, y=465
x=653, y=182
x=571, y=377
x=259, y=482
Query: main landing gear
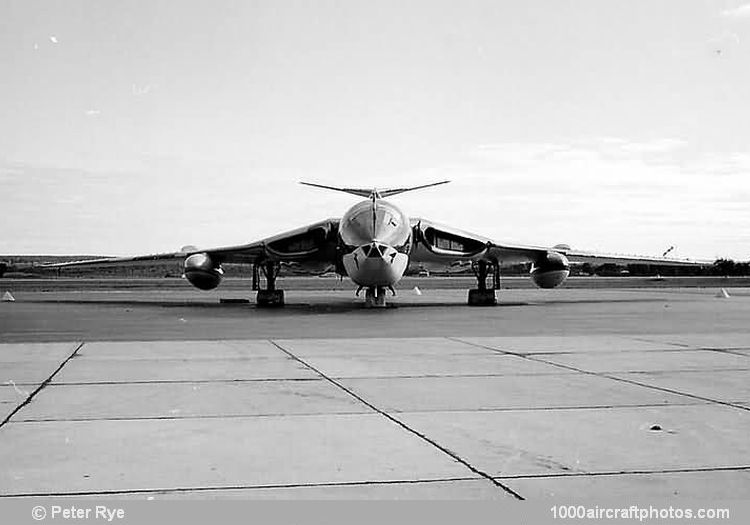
x=482, y=295
x=269, y=297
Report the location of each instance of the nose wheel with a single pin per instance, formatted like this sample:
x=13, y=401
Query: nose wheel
x=375, y=297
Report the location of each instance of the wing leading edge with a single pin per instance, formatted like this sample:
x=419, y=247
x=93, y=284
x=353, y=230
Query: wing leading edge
x=440, y=243
x=315, y=243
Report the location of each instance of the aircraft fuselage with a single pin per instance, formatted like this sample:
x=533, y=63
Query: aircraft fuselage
x=376, y=239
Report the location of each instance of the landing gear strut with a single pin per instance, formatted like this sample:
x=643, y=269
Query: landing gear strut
x=269, y=297
x=375, y=297
x=482, y=295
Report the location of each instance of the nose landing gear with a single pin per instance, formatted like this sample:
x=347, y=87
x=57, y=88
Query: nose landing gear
x=375, y=297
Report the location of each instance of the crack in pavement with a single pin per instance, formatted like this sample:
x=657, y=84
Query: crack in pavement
x=604, y=375
x=238, y=487
x=686, y=470
x=191, y=417
x=347, y=413
x=41, y=386
x=403, y=425
x=184, y=381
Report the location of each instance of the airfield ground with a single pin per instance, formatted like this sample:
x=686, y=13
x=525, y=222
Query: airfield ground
x=155, y=390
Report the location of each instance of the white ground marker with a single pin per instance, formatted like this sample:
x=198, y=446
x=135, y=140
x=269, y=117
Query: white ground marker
x=7, y=297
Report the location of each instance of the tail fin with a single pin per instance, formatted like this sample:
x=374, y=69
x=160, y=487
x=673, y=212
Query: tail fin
x=375, y=193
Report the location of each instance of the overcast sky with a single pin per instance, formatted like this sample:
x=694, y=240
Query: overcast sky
x=133, y=127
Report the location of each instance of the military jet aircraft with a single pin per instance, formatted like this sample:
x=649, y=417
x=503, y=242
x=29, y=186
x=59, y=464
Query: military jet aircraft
x=373, y=244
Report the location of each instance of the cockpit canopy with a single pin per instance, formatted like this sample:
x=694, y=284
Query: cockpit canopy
x=377, y=221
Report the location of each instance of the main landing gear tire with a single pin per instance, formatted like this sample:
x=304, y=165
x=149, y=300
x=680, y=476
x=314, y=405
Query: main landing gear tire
x=479, y=297
x=270, y=299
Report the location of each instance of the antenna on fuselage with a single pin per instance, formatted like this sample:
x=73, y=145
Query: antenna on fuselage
x=375, y=193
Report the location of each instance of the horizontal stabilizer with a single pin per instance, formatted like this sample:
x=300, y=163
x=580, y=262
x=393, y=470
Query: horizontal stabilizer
x=353, y=191
x=374, y=192
x=396, y=191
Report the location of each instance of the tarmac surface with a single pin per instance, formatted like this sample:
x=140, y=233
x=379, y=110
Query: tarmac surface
x=569, y=393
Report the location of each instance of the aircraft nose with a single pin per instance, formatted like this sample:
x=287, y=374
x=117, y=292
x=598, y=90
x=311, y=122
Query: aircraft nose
x=375, y=250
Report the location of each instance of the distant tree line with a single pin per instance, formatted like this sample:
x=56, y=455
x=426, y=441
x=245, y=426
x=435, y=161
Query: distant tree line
x=720, y=267
x=730, y=267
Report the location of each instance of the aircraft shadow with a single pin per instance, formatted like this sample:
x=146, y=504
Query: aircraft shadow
x=324, y=306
